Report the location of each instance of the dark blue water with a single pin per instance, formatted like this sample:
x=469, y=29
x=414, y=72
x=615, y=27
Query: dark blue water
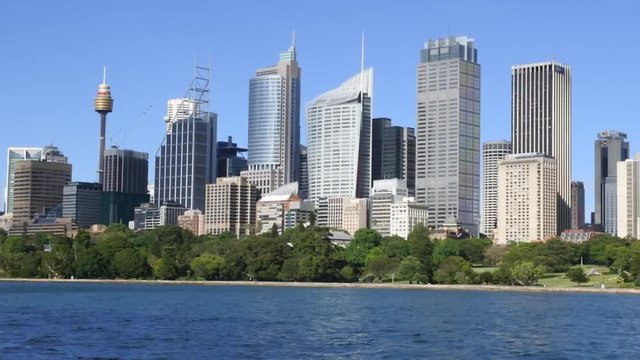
x=51, y=321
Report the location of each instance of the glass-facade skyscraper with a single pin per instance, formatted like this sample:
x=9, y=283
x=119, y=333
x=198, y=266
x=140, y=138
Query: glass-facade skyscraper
x=274, y=119
x=610, y=147
x=186, y=160
x=339, y=135
x=393, y=153
x=448, y=132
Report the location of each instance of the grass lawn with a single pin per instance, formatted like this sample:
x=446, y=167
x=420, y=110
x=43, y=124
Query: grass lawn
x=560, y=279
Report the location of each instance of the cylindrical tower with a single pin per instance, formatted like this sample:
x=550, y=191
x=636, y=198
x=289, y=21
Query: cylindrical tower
x=103, y=104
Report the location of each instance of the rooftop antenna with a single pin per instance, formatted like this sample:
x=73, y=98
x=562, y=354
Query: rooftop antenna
x=362, y=66
x=104, y=75
x=293, y=39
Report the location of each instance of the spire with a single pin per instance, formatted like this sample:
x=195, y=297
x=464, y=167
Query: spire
x=362, y=64
x=104, y=75
x=293, y=39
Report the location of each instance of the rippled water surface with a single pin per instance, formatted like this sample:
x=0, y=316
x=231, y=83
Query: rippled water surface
x=62, y=320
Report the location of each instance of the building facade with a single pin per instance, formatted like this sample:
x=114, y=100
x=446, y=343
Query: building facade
x=230, y=159
x=628, y=194
x=527, y=198
x=81, y=203
x=577, y=205
x=186, y=160
x=303, y=179
x=383, y=194
x=14, y=154
x=541, y=122
x=339, y=135
x=125, y=171
x=274, y=119
x=492, y=153
x=405, y=215
x=343, y=213
x=38, y=186
x=192, y=220
x=282, y=208
x=448, y=132
x=150, y=216
x=393, y=152
x=610, y=147
x=231, y=207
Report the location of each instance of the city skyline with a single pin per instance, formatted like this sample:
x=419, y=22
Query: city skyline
x=142, y=88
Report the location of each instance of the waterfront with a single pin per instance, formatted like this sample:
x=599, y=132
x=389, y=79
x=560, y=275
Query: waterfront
x=73, y=320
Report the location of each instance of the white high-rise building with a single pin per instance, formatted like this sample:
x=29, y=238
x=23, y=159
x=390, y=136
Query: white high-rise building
x=526, y=198
x=492, y=153
x=448, y=132
x=541, y=122
x=405, y=215
x=339, y=136
x=383, y=194
x=628, y=193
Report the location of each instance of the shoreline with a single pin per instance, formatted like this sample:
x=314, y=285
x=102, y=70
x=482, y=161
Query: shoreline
x=436, y=287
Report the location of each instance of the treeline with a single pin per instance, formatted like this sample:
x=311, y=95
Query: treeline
x=304, y=254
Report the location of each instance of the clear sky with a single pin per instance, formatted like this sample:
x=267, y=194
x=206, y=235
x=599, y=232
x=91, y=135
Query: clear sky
x=52, y=53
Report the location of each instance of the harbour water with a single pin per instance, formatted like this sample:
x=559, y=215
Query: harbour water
x=133, y=321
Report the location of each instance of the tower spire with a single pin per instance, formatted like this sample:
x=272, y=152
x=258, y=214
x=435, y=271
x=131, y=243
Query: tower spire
x=293, y=39
x=104, y=75
x=362, y=64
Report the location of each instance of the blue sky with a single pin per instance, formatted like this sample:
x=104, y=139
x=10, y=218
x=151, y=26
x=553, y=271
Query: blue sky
x=52, y=53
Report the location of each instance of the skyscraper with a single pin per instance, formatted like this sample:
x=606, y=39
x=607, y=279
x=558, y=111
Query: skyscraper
x=303, y=179
x=230, y=159
x=274, y=119
x=541, y=122
x=577, y=205
x=14, y=154
x=393, y=153
x=492, y=153
x=39, y=185
x=186, y=160
x=610, y=147
x=448, y=132
x=81, y=203
x=124, y=184
x=339, y=135
x=628, y=194
x=526, y=198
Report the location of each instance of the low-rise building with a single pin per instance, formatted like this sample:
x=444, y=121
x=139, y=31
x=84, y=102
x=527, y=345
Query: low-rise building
x=150, y=216
x=405, y=215
x=192, y=220
x=282, y=208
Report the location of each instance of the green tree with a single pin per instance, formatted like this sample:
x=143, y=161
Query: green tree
x=395, y=247
x=92, y=264
x=421, y=248
x=473, y=249
x=59, y=261
x=494, y=254
x=3, y=236
x=444, y=249
x=453, y=270
x=409, y=267
x=207, y=266
x=167, y=268
x=358, y=249
x=130, y=264
x=577, y=275
x=526, y=273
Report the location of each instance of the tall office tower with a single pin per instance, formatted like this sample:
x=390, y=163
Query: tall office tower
x=492, y=153
x=339, y=135
x=274, y=119
x=103, y=104
x=610, y=147
x=383, y=194
x=186, y=160
x=577, y=205
x=38, y=186
x=14, y=154
x=230, y=159
x=125, y=171
x=448, y=132
x=527, y=198
x=231, y=207
x=541, y=122
x=81, y=203
x=628, y=194
x=303, y=179
x=124, y=184
x=393, y=152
